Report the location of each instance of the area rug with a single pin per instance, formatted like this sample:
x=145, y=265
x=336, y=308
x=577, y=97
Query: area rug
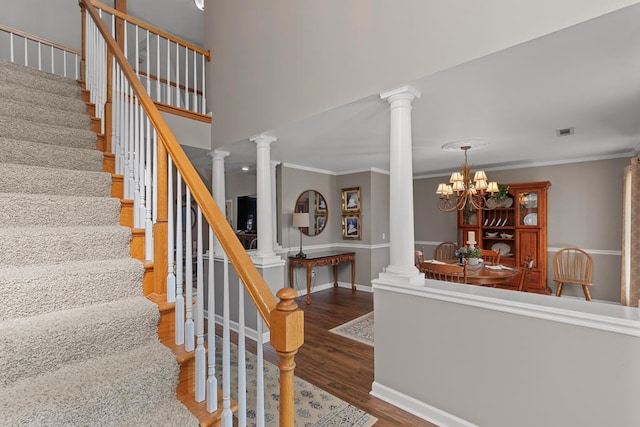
x=314, y=406
x=359, y=329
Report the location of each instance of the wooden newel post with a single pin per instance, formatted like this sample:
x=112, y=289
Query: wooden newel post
x=287, y=336
x=84, y=44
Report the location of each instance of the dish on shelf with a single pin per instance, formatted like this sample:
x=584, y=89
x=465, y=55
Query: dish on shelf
x=530, y=219
x=486, y=221
x=504, y=248
x=506, y=235
x=491, y=203
x=492, y=234
x=531, y=201
x=504, y=222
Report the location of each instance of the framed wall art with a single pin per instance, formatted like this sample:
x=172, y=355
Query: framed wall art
x=350, y=200
x=351, y=226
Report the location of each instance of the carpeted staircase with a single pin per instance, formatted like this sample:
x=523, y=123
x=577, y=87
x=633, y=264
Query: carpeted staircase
x=78, y=341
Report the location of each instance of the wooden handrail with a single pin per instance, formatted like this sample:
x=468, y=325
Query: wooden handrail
x=40, y=39
x=152, y=29
x=258, y=290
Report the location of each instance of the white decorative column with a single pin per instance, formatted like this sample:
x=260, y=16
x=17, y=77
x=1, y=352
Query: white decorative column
x=401, y=230
x=218, y=188
x=274, y=205
x=265, y=254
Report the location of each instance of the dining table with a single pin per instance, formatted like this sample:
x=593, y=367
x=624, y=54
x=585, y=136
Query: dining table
x=490, y=275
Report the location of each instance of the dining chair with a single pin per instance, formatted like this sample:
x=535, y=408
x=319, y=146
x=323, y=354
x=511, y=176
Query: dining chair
x=488, y=255
x=418, y=256
x=575, y=267
x=446, y=272
x=527, y=266
x=445, y=251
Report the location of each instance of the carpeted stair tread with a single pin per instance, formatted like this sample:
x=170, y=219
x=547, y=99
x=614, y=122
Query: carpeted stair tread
x=36, y=97
x=42, y=114
x=50, y=156
x=24, y=210
x=24, y=130
x=40, y=82
x=52, y=245
x=169, y=413
x=104, y=391
x=8, y=65
x=48, y=287
x=42, y=180
x=30, y=346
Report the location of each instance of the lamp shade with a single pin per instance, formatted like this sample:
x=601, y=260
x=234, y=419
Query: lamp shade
x=300, y=219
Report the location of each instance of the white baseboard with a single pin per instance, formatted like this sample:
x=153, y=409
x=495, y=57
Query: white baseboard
x=325, y=286
x=417, y=408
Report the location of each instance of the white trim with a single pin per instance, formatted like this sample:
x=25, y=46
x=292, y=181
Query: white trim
x=308, y=169
x=533, y=165
x=371, y=169
x=605, y=317
x=591, y=251
x=416, y=407
x=550, y=249
x=309, y=248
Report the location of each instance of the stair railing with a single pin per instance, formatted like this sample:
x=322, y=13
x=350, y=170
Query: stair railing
x=49, y=56
x=158, y=172
x=171, y=69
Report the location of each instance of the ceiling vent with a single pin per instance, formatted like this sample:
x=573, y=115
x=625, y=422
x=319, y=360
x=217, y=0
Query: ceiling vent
x=564, y=132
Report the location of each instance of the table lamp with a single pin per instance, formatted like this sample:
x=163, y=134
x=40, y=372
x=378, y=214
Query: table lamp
x=300, y=220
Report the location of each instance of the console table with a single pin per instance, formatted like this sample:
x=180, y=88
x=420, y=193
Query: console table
x=323, y=258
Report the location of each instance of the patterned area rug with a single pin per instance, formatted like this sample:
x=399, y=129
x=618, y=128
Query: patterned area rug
x=314, y=406
x=359, y=329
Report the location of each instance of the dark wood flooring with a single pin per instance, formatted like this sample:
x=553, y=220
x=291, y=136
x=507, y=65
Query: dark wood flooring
x=338, y=365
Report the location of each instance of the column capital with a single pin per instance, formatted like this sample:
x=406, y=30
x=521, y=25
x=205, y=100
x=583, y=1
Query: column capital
x=262, y=138
x=218, y=154
x=408, y=93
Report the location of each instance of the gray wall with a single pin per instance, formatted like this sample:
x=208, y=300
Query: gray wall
x=505, y=369
x=280, y=61
x=584, y=210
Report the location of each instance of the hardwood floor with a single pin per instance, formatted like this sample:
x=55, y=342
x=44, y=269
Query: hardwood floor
x=341, y=366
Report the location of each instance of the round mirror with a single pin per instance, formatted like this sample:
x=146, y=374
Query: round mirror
x=313, y=203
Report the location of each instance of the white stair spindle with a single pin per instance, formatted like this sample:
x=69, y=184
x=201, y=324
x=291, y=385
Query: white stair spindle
x=260, y=374
x=148, y=223
x=64, y=63
x=171, y=277
x=154, y=176
x=179, y=329
x=201, y=356
x=204, y=100
x=53, y=65
x=11, y=52
x=195, y=82
x=242, y=361
x=177, y=103
x=226, y=350
x=186, y=78
x=158, y=91
x=189, y=332
x=39, y=55
x=168, y=100
x=212, y=382
x=26, y=53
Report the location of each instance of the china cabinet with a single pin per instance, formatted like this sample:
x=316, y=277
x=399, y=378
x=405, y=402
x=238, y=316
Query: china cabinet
x=517, y=226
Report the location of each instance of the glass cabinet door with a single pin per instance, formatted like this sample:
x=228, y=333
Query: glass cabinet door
x=528, y=208
x=470, y=216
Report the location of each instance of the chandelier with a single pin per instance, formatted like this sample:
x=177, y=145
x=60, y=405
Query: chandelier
x=463, y=192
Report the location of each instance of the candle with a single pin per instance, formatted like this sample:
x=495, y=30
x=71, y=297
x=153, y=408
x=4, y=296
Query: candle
x=472, y=236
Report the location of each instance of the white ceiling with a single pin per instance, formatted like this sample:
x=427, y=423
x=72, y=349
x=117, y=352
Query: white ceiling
x=586, y=77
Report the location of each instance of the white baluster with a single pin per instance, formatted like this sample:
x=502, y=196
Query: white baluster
x=226, y=347
x=212, y=382
x=53, y=68
x=186, y=78
x=11, y=52
x=168, y=100
x=39, y=56
x=260, y=374
x=158, y=92
x=148, y=223
x=64, y=63
x=195, y=81
x=201, y=356
x=177, y=103
x=154, y=185
x=189, y=332
x=242, y=364
x=26, y=53
x=204, y=101
x=179, y=264
x=171, y=277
